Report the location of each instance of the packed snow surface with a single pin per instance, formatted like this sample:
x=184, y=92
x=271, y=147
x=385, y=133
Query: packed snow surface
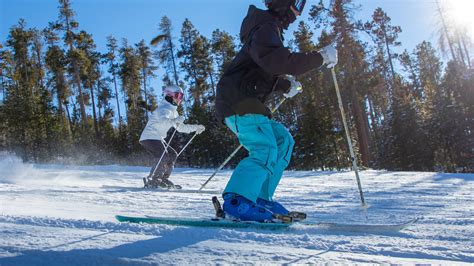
x=64, y=215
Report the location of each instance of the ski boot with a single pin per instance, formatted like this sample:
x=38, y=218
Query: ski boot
x=154, y=183
x=168, y=184
x=148, y=183
x=243, y=209
x=277, y=208
x=220, y=214
x=159, y=183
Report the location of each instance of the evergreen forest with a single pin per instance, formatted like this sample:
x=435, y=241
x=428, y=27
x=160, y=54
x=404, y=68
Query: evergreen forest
x=64, y=101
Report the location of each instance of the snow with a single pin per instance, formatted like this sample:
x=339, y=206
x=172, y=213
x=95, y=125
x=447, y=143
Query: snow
x=64, y=215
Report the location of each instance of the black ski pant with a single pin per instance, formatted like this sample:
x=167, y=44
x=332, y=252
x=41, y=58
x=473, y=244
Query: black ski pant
x=160, y=170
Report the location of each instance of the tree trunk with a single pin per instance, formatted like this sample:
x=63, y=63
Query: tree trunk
x=374, y=121
x=361, y=125
x=360, y=116
x=173, y=60
x=193, y=67
x=460, y=48
x=117, y=99
x=450, y=43
x=145, y=91
x=77, y=79
x=389, y=56
x=99, y=106
x=336, y=151
x=463, y=40
x=68, y=117
x=96, y=130
x=40, y=65
x=3, y=87
x=385, y=75
x=213, y=86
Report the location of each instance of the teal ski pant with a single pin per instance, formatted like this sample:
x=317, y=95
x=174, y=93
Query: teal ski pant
x=269, y=145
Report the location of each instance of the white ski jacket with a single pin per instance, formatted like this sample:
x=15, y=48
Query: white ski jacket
x=161, y=120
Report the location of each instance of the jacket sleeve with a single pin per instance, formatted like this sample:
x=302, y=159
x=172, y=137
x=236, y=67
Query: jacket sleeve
x=183, y=128
x=267, y=50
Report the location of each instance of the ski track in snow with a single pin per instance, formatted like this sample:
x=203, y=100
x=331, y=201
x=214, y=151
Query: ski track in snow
x=64, y=215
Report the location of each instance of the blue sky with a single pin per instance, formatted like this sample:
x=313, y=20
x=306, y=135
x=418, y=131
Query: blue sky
x=138, y=19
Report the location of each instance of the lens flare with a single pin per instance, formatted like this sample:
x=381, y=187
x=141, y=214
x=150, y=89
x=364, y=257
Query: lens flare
x=460, y=14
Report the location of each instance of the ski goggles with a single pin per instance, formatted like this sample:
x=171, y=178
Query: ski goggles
x=299, y=5
x=178, y=96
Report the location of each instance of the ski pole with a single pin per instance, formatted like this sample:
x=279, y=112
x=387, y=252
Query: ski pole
x=238, y=148
x=185, y=146
x=349, y=141
x=221, y=166
x=166, y=150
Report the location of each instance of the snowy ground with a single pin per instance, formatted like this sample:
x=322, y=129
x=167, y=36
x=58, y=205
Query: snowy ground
x=64, y=215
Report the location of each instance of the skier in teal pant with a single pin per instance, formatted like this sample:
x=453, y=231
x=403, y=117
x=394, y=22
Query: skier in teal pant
x=270, y=146
x=261, y=67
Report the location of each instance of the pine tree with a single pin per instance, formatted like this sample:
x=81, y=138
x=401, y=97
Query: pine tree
x=454, y=119
x=5, y=62
x=55, y=63
x=317, y=141
x=166, y=54
x=18, y=104
x=130, y=75
x=385, y=36
x=106, y=118
x=146, y=68
x=429, y=75
x=382, y=75
x=68, y=25
x=196, y=63
x=112, y=49
x=88, y=60
x=27, y=109
x=444, y=33
x=223, y=51
x=410, y=140
x=401, y=150
x=46, y=124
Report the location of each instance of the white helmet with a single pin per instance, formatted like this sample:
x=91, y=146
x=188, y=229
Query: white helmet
x=173, y=94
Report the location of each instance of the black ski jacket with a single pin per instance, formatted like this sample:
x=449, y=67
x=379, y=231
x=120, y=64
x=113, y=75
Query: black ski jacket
x=253, y=73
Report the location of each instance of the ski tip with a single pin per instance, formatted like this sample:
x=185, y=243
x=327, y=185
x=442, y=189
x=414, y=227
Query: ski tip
x=119, y=218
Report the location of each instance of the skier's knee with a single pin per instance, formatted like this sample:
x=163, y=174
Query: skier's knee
x=290, y=141
x=287, y=148
x=272, y=159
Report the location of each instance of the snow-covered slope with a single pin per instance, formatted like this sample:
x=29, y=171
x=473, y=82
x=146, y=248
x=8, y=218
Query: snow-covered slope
x=64, y=215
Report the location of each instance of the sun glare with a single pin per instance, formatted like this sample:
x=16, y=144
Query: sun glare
x=460, y=13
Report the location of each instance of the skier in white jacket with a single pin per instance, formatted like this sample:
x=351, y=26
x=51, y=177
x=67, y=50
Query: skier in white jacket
x=153, y=137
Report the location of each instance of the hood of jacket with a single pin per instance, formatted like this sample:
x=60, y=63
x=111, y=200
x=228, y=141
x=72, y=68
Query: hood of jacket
x=254, y=18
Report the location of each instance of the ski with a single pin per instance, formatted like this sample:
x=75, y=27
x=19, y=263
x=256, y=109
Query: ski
x=226, y=223
x=159, y=190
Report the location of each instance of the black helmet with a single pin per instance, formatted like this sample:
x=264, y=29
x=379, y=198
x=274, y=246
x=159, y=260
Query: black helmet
x=282, y=9
x=284, y=5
